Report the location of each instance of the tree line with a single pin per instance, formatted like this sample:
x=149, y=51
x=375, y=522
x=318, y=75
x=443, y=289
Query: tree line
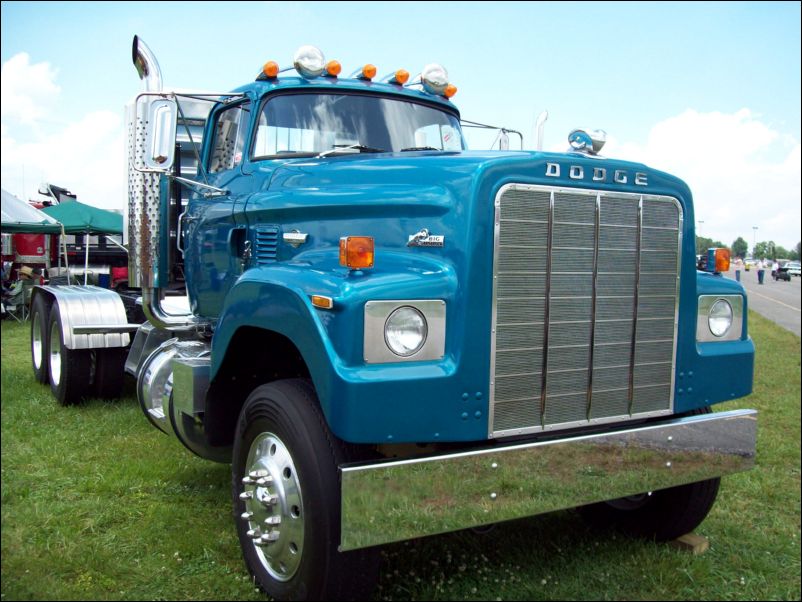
x=740, y=248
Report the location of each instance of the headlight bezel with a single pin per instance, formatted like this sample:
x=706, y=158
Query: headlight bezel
x=704, y=330
x=376, y=348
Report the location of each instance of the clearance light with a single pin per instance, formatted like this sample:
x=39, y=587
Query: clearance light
x=309, y=61
x=368, y=72
x=434, y=78
x=322, y=302
x=356, y=252
x=333, y=68
x=400, y=77
x=450, y=90
x=718, y=260
x=270, y=69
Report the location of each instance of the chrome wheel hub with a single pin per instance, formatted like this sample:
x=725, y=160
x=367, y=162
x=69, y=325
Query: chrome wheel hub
x=37, y=345
x=274, y=512
x=55, y=354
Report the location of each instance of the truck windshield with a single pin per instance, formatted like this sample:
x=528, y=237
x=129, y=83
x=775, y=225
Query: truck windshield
x=311, y=124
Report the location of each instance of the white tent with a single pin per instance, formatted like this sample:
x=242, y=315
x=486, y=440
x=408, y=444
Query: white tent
x=19, y=216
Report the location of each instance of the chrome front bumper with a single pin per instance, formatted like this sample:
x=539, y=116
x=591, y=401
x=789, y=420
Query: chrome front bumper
x=398, y=500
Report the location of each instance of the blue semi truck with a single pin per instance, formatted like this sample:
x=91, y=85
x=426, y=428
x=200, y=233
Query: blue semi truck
x=389, y=336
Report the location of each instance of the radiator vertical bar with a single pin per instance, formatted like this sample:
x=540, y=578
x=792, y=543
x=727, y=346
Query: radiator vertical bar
x=546, y=317
x=596, y=243
x=635, y=312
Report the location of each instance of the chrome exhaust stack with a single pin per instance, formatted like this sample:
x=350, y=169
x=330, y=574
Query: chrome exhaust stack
x=144, y=215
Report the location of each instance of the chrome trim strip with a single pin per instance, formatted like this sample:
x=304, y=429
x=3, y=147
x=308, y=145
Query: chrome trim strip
x=593, y=297
x=635, y=305
x=398, y=500
x=547, y=312
x=491, y=412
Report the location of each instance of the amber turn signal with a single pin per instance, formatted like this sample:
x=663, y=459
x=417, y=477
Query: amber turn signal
x=450, y=90
x=722, y=260
x=356, y=252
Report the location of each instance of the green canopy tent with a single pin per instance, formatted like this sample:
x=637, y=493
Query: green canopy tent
x=78, y=218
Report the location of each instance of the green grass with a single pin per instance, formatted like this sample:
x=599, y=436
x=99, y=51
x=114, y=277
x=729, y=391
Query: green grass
x=96, y=504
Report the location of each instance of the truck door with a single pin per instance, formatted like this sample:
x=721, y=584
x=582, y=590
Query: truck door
x=211, y=245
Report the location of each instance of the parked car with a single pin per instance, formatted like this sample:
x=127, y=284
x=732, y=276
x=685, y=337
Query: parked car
x=793, y=268
x=781, y=274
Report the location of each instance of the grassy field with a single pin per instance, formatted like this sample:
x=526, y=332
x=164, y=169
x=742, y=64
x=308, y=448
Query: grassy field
x=96, y=504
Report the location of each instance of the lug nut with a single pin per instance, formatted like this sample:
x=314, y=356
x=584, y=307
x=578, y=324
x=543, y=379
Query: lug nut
x=256, y=474
x=247, y=481
x=273, y=520
x=264, y=481
x=246, y=515
x=246, y=495
x=269, y=500
x=269, y=537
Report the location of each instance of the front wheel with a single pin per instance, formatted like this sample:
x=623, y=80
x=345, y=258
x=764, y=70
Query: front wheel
x=660, y=515
x=286, y=494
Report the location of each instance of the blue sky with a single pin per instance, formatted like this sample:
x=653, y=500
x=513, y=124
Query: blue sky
x=708, y=91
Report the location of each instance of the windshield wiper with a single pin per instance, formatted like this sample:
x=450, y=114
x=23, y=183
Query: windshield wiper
x=343, y=147
x=419, y=148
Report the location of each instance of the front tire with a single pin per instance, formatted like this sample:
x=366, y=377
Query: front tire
x=660, y=515
x=286, y=495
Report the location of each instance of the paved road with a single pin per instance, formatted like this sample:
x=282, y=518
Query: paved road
x=780, y=301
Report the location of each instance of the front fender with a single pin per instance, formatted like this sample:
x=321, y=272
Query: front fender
x=366, y=403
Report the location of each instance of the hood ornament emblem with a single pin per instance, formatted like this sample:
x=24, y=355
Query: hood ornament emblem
x=424, y=239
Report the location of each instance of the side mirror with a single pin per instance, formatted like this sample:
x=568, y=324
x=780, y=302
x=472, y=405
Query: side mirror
x=160, y=137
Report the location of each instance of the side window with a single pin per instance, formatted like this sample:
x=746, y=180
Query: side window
x=229, y=137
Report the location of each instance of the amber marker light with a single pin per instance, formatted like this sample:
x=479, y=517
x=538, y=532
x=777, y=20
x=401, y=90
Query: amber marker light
x=333, y=68
x=450, y=90
x=356, y=252
x=722, y=260
x=270, y=69
x=322, y=302
x=369, y=71
x=401, y=77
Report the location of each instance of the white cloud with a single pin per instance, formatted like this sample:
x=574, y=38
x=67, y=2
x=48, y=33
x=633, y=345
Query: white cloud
x=27, y=91
x=86, y=156
x=742, y=173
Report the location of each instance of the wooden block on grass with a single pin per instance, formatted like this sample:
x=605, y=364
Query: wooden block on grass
x=690, y=542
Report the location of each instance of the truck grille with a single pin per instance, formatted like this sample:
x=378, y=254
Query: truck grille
x=585, y=290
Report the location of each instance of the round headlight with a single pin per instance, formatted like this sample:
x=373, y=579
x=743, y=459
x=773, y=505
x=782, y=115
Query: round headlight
x=434, y=78
x=309, y=61
x=720, y=318
x=405, y=331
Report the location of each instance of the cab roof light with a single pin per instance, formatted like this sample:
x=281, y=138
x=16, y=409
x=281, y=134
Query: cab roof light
x=356, y=252
x=309, y=61
x=399, y=77
x=270, y=69
x=450, y=90
x=435, y=79
x=333, y=68
x=368, y=72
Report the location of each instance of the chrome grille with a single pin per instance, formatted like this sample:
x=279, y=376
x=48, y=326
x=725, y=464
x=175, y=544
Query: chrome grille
x=585, y=290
